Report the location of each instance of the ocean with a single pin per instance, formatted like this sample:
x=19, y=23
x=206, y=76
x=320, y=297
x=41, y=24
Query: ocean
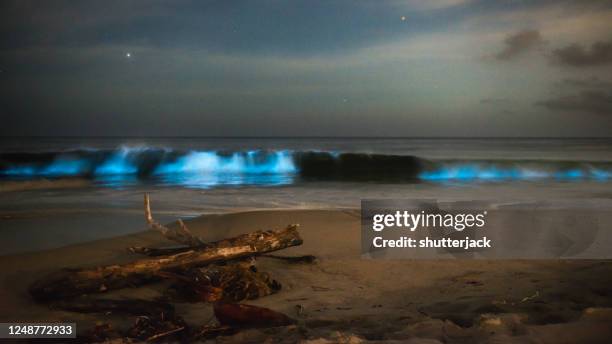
x=189, y=176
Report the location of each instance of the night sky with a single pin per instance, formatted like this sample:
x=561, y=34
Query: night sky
x=306, y=68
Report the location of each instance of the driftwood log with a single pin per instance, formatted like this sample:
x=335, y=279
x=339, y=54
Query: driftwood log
x=189, y=241
x=68, y=283
x=74, y=282
x=217, y=272
x=165, y=251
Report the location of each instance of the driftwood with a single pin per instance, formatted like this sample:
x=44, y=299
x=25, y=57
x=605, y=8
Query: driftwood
x=217, y=272
x=155, y=321
x=182, y=234
x=76, y=282
x=228, y=283
x=159, y=329
x=165, y=251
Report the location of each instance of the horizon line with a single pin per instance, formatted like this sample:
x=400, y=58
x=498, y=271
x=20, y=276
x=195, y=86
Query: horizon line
x=293, y=137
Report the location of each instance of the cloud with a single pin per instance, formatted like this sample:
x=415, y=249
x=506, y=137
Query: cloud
x=576, y=55
x=519, y=43
x=592, y=101
x=305, y=28
x=585, y=83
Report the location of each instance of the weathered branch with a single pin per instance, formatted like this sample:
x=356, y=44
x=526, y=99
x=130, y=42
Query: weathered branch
x=164, y=251
x=68, y=283
x=193, y=269
x=182, y=234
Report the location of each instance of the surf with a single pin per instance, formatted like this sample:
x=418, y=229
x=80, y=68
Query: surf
x=209, y=168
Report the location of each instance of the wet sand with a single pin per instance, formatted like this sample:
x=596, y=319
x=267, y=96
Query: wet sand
x=343, y=298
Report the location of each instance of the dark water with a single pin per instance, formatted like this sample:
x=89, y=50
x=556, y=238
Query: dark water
x=192, y=176
x=208, y=163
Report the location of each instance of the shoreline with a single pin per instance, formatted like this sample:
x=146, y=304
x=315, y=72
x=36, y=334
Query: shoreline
x=344, y=295
x=66, y=223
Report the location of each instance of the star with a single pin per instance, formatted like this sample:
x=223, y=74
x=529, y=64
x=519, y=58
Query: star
x=403, y=18
x=128, y=55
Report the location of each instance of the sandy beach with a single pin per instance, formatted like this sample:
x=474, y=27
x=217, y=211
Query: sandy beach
x=343, y=298
x=312, y=172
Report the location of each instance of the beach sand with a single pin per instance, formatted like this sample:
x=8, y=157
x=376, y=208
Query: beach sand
x=343, y=298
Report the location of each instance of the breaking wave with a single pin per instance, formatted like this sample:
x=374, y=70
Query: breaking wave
x=259, y=167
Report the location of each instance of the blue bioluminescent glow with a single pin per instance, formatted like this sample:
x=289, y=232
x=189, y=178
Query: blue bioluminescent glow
x=209, y=169
x=569, y=174
x=252, y=162
x=474, y=172
x=206, y=169
x=192, y=162
x=19, y=171
x=118, y=163
x=116, y=181
x=601, y=174
x=206, y=181
x=528, y=174
x=59, y=167
x=64, y=167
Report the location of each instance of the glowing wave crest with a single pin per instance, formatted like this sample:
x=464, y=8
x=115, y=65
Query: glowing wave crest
x=473, y=172
x=252, y=162
x=119, y=163
x=129, y=165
